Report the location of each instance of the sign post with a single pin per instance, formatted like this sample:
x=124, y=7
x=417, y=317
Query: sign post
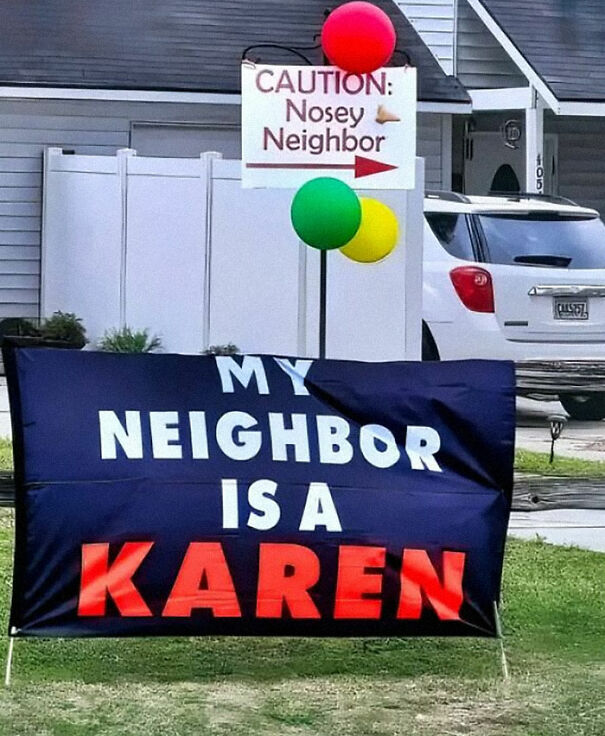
x=301, y=122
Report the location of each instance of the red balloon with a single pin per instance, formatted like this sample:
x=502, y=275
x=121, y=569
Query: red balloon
x=358, y=37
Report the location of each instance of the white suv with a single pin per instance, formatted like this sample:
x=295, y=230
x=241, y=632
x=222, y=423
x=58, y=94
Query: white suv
x=517, y=277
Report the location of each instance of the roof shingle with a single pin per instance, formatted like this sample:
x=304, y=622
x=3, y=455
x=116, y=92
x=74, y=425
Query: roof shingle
x=563, y=40
x=192, y=45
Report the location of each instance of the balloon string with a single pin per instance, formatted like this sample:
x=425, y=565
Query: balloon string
x=294, y=51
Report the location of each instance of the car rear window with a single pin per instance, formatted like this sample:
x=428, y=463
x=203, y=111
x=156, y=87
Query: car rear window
x=546, y=240
x=452, y=231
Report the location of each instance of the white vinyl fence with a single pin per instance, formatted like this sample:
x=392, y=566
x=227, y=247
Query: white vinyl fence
x=177, y=246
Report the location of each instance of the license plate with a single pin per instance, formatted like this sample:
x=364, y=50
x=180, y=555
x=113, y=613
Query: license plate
x=570, y=308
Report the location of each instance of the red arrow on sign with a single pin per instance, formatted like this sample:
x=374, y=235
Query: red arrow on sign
x=362, y=166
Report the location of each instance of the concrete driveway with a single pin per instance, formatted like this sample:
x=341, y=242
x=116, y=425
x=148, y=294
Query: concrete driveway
x=578, y=439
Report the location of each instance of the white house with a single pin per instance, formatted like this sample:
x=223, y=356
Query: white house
x=161, y=77
x=535, y=71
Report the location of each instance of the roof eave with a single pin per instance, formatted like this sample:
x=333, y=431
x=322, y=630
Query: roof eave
x=581, y=108
x=118, y=95
x=126, y=94
x=515, y=54
x=447, y=107
x=561, y=106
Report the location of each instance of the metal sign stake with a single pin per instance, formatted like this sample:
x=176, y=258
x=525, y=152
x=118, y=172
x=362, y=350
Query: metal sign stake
x=503, y=660
x=323, y=298
x=9, y=658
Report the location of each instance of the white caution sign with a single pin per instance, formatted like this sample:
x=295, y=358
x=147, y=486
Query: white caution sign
x=300, y=122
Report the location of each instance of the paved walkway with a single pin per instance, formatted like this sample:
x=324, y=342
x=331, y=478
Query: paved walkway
x=579, y=439
x=580, y=527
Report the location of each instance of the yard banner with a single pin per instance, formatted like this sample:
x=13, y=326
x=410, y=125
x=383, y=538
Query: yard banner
x=247, y=495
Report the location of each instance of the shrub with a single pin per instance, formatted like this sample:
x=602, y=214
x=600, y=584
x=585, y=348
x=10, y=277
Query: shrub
x=18, y=327
x=64, y=327
x=127, y=340
x=228, y=349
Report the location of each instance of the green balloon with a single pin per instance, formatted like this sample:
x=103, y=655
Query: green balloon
x=326, y=213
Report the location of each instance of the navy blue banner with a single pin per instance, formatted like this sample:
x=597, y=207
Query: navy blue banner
x=186, y=495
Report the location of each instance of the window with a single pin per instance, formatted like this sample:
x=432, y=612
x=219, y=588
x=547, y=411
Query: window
x=544, y=239
x=452, y=231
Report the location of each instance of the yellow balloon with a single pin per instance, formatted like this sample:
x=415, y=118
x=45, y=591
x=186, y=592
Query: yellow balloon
x=377, y=235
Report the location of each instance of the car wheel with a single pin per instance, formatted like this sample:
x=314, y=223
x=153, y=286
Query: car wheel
x=585, y=408
x=429, y=347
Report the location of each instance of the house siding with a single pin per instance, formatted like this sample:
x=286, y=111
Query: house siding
x=430, y=148
x=481, y=61
x=434, y=21
x=27, y=127
x=581, y=173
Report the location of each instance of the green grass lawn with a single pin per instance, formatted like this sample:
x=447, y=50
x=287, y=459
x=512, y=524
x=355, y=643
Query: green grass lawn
x=538, y=462
x=6, y=454
x=554, y=620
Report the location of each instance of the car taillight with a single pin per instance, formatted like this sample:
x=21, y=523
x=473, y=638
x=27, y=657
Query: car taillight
x=474, y=287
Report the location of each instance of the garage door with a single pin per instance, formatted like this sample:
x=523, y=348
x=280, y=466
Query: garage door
x=184, y=140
